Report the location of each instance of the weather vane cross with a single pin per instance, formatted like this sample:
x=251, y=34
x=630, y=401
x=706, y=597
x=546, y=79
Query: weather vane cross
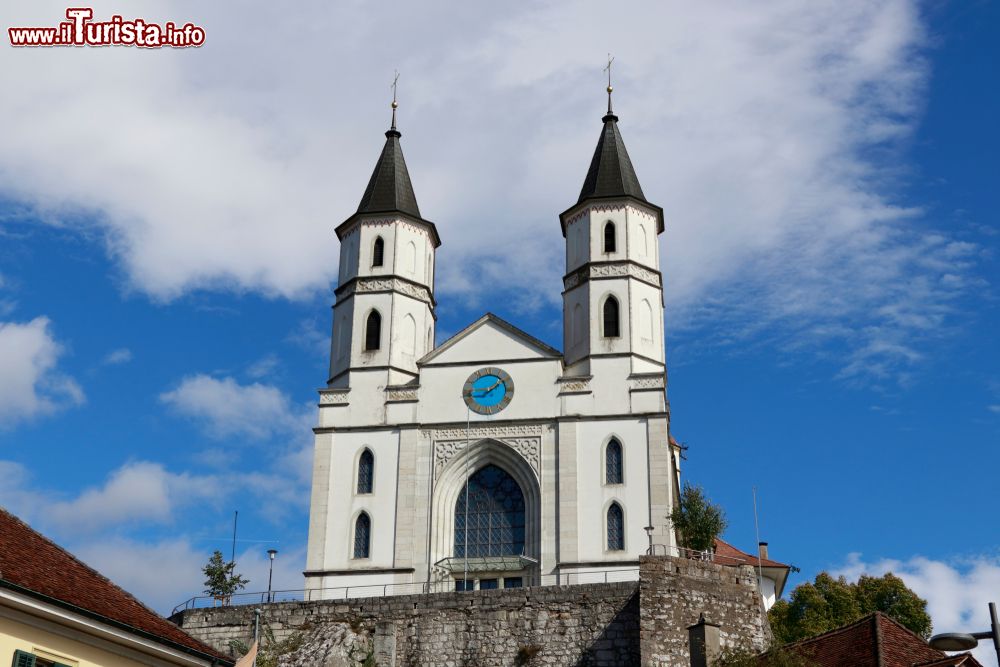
x=395, y=82
x=608, y=70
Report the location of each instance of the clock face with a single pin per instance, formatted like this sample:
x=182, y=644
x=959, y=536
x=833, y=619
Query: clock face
x=488, y=391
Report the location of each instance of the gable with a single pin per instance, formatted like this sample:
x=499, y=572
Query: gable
x=489, y=338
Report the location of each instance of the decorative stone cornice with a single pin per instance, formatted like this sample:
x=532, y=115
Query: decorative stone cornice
x=574, y=385
x=334, y=396
x=370, y=284
x=618, y=269
x=653, y=381
x=402, y=394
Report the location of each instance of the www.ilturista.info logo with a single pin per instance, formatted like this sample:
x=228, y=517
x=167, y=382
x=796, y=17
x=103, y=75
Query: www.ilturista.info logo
x=80, y=30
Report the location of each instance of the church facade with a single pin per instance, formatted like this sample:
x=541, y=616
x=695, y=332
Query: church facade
x=493, y=460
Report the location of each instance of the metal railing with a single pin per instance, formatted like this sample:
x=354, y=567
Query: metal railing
x=629, y=573
x=693, y=554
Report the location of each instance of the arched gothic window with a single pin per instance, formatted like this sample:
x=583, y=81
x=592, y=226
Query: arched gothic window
x=373, y=331
x=366, y=471
x=609, y=237
x=489, y=515
x=616, y=528
x=611, y=326
x=362, y=536
x=378, y=252
x=613, y=462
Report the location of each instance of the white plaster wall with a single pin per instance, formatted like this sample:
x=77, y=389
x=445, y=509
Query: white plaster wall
x=411, y=318
x=576, y=332
x=340, y=340
x=595, y=496
x=349, y=251
x=643, y=237
x=577, y=244
x=647, y=326
x=535, y=391
x=369, y=231
x=413, y=252
x=599, y=217
x=345, y=503
x=599, y=292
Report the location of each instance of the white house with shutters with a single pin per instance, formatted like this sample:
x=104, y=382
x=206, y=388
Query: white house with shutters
x=493, y=459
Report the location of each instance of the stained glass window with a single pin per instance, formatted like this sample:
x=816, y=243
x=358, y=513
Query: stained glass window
x=366, y=471
x=616, y=528
x=613, y=462
x=489, y=515
x=362, y=536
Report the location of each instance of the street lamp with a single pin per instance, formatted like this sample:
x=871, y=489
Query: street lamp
x=271, y=554
x=960, y=641
x=649, y=533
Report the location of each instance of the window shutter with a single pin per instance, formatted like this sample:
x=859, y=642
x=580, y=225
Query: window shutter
x=23, y=659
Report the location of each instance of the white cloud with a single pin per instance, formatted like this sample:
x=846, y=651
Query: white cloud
x=957, y=591
x=32, y=385
x=753, y=125
x=138, y=491
x=226, y=408
x=263, y=367
x=122, y=355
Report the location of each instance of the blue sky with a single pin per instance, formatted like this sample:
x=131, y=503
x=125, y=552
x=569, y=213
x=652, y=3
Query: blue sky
x=828, y=173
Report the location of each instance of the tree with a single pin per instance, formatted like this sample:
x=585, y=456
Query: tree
x=222, y=580
x=828, y=603
x=697, y=520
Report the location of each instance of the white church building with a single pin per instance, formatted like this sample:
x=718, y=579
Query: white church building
x=493, y=460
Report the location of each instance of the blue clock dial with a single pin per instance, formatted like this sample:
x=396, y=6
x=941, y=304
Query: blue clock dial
x=488, y=391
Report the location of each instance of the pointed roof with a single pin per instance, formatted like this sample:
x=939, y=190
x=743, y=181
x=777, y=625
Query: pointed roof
x=611, y=173
x=33, y=565
x=389, y=189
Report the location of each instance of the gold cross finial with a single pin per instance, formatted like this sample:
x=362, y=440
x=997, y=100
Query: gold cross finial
x=608, y=70
x=395, y=82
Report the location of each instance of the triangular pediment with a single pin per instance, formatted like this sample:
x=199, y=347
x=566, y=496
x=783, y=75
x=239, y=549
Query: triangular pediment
x=488, y=339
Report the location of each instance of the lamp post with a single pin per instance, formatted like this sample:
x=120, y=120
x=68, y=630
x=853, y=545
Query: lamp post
x=649, y=533
x=961, y=641
x=270, y=571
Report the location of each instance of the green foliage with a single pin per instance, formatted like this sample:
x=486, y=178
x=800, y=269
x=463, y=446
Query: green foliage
x=744, y=657
x=269, y=650
x=697, y=520
x=828, y=603
x=221, y=579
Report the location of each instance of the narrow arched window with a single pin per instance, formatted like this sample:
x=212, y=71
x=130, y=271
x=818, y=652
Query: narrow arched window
x=616, y=528
x=613, y=462
x=611, y=327
x=378, y=252
x=366, y=471
x=362, y=536
x=373, y=331
x=609, y=237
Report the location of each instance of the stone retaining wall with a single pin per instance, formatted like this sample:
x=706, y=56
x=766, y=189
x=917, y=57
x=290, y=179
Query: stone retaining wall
x=586, y=624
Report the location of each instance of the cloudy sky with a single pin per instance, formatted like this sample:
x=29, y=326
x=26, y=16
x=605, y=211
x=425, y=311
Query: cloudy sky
x=828, y=175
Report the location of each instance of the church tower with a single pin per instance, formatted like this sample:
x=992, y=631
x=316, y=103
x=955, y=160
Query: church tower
x=384, y=311
x=613, y=288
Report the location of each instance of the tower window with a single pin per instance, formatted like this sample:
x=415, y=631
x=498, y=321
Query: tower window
x=362, y=536
x=378, y=252
x=366, y=471
x=609, y=237
x=613, y=462
x=611, y=325
x=373, y=331
x=616, y=528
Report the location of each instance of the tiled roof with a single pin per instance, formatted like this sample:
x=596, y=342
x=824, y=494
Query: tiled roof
x=389, y=188
x=725, y=551
x=33, y=564
x=611, y=173
x=874, y=641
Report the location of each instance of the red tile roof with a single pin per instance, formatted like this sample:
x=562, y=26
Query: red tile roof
x=874, y=641
x=35, y=565
x=724, y=550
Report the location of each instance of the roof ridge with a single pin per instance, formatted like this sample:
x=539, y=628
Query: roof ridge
x=850, y=626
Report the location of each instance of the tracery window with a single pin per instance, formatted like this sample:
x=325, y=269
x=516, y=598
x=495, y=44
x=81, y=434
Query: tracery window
x=362, y=536
x=611, y=325
x=616, y=528
x=366, y=471
x=378, y=252
x=613, y=462
x=489, y=515
x=373, y=331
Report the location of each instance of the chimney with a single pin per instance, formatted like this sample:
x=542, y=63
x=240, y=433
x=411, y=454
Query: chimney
x=762, y=547
x=704, y=642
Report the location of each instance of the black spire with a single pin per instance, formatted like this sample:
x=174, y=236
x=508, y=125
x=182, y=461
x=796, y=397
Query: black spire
x=389, y=189
x=611, y=173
